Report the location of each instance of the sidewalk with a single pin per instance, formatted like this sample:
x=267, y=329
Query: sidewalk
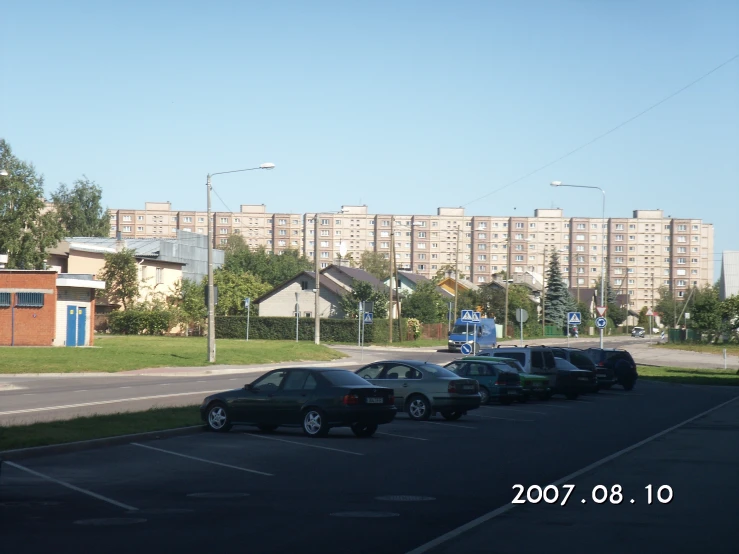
x=698, y=461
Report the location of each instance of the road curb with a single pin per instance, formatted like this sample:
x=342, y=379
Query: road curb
x=65, y=448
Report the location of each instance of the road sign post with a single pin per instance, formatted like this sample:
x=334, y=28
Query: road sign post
x=359, y=324
x=476, y=320
x=247, y=305
x=522, y=317
x=649, y=314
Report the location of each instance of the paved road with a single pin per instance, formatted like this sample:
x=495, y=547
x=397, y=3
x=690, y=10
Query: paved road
x=282, y=492
x=45, y=398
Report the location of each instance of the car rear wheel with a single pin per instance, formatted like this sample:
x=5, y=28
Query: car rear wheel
x=418, y=408
x=218, y=418
x=314, y=423
x=267, y=428
x=451, y=416
x=363, y=430
x=629, y=385
x=484, y=396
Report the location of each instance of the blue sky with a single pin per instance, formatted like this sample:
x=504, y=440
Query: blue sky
x=404, y=106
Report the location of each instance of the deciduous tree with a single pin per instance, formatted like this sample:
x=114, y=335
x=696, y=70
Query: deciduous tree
x=80, y=210
x=376, y=264
x=121, y=276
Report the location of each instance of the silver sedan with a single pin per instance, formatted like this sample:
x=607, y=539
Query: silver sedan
x=423, y=389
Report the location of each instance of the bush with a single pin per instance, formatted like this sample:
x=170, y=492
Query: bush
x=135, y=321
x=415, y=328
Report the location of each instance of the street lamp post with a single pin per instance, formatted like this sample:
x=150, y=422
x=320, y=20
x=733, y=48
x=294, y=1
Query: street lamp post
x=211, y=299
x=603, y=243
x=456, y=276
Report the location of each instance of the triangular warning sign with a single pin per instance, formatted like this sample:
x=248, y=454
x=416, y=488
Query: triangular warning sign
x=601, y=310
x=649, y=313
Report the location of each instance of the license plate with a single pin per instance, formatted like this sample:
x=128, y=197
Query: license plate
x=375, y=400
x=582, y=378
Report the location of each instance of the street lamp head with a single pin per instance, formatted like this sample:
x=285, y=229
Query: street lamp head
x=556, y=183
x=267, y=166
x=3, y=173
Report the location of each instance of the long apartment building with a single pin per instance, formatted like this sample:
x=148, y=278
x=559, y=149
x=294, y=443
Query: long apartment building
x=642, y=253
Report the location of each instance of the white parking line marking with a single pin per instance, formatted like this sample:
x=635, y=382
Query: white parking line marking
x=503, y=509
x=511, y=409
x=304, y=444
x=28, y=394
x=200, y=381
x=550, y=405
x=102, y=402
x=502, y=418
x=202, y=460
x=448, y=424
x=400, y=436
x=81, y=390
x=124, y=387
x=70, y=486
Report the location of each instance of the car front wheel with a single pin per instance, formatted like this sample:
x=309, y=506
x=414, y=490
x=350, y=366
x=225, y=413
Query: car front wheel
x=218, y=418
x=484, y=396
x=314, y=423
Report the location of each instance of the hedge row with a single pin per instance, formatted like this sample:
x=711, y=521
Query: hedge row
x=283, y=328
x=134, y=322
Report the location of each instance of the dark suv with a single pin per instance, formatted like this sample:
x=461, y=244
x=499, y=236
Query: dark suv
x=618, y=361
x=577, y=357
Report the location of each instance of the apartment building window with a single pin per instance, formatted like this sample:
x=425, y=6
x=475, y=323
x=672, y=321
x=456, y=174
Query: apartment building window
x=694, y=260
x=422, y=235
x=619, y=260
x=372, y=244
x=296, y=222
x=696, y=238
x=324, y=254
x=565, y=237
x=682, y=227
x=532, y=225
x=126, y=228
x=619, y=237
x=126, y=218
x=580, y=226
x=188, y=229
x=223, y=231
x=619, y=282
x=519, y=225
x=694, y=272
x=422, y=246
x=338, y=231
x=325, y=233
x=481, y=235
x=582, y=237
x=283, y=232
x=519, y=236
x=581, y=248
x=682, y=250
x=384, y=245
x=485, y=246
x=420, y=256
x=519, y=258
x=619, y=248
x=681, y=283
x=140, y=228
x=224, y=241
x=619, y=227
x=224, y=220
x=482, y=257
x=681, y=260
x=281, y=243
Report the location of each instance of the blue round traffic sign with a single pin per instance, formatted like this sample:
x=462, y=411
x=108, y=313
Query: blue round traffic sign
x=601, y=323
x=466, y=348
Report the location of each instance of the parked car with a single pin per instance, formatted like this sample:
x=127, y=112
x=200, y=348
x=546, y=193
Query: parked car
x=619, y=361
x=571, y=381
x=539, y=360
x=497, y=379
x=638, y=332
x=536, y=386
x=424, y=389
x=577, y=357
x=316, y=399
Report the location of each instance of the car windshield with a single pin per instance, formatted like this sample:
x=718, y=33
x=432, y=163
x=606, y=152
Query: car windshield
x=461, y=329
x=513, y=364
x=437, y=370
x=343, y=377
x=561, y=363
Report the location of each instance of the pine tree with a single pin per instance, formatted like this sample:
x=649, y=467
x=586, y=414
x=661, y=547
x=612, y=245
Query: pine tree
x=558, y=300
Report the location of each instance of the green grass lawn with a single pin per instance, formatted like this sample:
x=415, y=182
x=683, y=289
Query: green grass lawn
x=97, y=427
x=731, y=349
x=687, y=376
x=123, y=353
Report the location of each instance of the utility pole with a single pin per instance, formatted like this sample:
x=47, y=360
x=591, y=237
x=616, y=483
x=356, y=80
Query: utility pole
x=317, y=315
x=543, y=294
x=392, y=263
x=507, y=277
x=456, y=278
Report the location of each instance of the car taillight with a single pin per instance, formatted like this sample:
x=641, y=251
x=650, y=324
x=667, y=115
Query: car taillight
x=390, y=399
x=452, y=387
x=351, y=400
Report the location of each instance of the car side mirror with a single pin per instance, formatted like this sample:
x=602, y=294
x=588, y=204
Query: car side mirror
x=249, y=386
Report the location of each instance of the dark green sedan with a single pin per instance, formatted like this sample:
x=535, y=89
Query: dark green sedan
x=497, y=380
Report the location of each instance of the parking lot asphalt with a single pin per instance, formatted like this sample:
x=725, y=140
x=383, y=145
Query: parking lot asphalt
x=278, y=492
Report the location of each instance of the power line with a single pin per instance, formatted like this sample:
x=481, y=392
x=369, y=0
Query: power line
x=605, y=134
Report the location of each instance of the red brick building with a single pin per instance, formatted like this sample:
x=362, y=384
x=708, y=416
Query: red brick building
x=46, y=308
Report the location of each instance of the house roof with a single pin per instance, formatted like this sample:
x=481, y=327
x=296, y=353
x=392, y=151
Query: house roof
x=416, y=279
x=358, y=274
x=142, y=248
x=327, y=284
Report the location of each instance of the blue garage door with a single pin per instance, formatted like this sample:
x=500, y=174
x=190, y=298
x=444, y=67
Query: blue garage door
x=71, y=326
